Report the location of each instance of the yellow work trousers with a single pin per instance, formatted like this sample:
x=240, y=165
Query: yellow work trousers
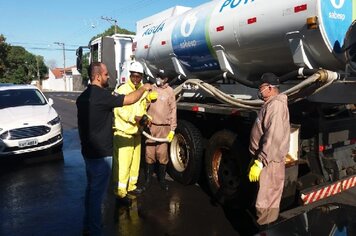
x=126, y=163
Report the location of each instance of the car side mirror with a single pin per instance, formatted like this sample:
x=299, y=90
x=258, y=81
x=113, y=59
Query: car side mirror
x=50, y=101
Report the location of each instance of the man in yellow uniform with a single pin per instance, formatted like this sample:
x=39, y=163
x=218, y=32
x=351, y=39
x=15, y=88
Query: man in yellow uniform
x=127, y=138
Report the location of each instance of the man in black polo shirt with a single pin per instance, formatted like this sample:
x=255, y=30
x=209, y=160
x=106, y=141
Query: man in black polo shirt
x=95, y=106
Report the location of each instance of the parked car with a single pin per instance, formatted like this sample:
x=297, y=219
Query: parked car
x=28, y=122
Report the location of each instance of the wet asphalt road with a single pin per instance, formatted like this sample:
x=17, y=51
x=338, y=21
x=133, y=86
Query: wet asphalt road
x=41, y=197
x=44, y=194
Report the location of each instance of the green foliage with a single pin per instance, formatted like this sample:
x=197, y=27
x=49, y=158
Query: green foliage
x=21, y=67
x=4, y=48
x=85, y=74
x=18, y=66
x=111, y=31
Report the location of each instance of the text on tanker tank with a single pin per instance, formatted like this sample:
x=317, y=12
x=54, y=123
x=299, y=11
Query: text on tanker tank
x=154, y=29
x=336, y=16
x=337, y=4
x=188, y=44
x=234, y=3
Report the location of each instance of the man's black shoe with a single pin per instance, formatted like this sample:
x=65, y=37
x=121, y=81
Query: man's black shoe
x=163, y=185
x=85, y=232
x=124, y=201
x=137, y=191
x=262, y=228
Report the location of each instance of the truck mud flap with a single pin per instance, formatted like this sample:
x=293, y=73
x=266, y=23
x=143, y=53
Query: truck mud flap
x=329, y=190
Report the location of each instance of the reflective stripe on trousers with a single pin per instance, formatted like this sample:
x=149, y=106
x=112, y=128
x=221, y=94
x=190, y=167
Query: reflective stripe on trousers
x=126, y=163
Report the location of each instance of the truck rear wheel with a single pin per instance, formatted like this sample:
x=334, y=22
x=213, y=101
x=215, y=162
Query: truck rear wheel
x=226, y=162
x=186, y=151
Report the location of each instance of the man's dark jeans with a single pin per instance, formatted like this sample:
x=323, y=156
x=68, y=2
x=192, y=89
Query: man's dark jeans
x=98, y=173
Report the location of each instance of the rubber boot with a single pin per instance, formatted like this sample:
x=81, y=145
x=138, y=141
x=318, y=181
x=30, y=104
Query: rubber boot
x=137, y=191
x=149, y=173
x=161, y=176
x=125, y=201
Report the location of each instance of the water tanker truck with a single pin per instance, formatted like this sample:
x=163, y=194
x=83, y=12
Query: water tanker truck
x=215, y=55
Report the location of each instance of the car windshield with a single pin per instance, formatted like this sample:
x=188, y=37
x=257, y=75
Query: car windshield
x=21, y=97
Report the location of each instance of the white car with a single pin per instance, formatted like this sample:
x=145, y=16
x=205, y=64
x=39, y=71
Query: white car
x=28, y=122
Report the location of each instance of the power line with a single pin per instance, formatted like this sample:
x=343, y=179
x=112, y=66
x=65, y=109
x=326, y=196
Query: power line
x=48, y=49
x=28, y=43
x=110, y=20
x=52, y=49
x=64, y=63
x=64, y=56
x=130, y=5
x=47, y=44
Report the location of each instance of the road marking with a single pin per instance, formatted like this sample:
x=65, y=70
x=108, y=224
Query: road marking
x=66, y=99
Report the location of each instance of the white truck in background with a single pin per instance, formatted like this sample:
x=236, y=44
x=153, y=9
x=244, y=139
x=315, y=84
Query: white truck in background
x=216, y=54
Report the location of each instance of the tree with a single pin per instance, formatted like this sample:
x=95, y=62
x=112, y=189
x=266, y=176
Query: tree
x=22, y=66
x=111, y=31
x=4, y=48
x=18, y=66
x=85, y=66
x=42, y=69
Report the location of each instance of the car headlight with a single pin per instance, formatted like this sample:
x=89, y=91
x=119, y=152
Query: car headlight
x=54, y=121
x=5, y=136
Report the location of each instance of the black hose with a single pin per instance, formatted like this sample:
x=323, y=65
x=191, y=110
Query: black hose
x=294, y=74
x=173, y=82
x=214, y=79
x=248, y=83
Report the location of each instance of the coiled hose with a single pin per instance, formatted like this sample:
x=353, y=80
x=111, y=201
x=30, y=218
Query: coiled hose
x=322, y=76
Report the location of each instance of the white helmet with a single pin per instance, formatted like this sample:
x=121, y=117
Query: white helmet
x=136, y=67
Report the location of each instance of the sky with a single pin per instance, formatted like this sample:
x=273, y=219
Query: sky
x=37, y=25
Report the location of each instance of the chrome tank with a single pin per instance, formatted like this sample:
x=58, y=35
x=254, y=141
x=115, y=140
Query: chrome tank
x=254, y=34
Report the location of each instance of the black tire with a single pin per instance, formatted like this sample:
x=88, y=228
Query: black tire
x=186, y=153
x=226, y=164
x=58, y=148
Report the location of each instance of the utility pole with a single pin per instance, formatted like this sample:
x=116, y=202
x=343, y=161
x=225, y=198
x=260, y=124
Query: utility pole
x=64, y=63
x=38, y=69
x=110, y=20
x=64, y=57
x=38, y=73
